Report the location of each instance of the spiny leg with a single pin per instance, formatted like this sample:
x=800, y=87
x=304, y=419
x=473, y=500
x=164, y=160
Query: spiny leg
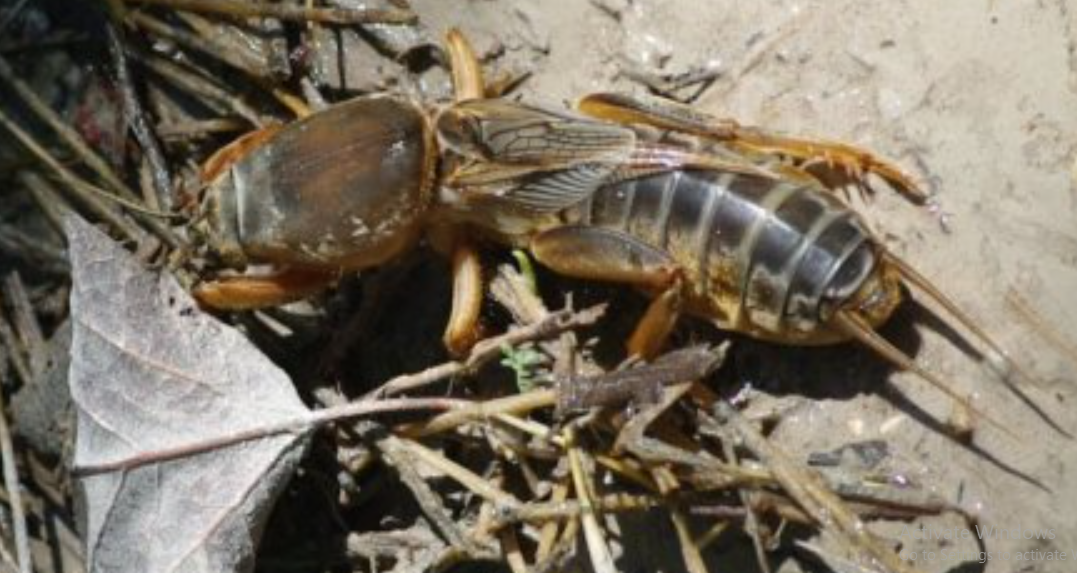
x=253, y=292
x=608, y=255
x=835, y=162
x=835, y=159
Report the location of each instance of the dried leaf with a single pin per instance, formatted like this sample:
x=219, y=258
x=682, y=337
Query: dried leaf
x=150, y=371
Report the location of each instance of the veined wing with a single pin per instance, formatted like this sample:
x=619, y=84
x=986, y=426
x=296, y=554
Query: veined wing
x=545, y=161
x=504, y=132
x=537, y=159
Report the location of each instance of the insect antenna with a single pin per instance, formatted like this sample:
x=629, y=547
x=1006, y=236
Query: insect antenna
x=857, y=328
x=997, y=358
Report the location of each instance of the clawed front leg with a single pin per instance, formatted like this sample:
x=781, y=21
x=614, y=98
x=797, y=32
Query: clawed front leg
x=254, y=292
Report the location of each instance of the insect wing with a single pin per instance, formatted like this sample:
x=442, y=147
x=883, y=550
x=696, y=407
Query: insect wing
x=520, y=134
x=536, y=190
x=536, y=159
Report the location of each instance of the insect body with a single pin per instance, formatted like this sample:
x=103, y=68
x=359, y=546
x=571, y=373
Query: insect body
x=703, y=221
x=726, y=222
x=755, y=252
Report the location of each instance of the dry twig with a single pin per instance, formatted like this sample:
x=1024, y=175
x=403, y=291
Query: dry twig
x=135, y=118
x=811, y=493
x=75, y=142
x=233, y=54
x=214, y=95
x=490, y=348
x=11, y=483
x=48, y=199
x=74, y=185
x=292, y=12
x=597, y=547
x=366, y=407
x=207, y=44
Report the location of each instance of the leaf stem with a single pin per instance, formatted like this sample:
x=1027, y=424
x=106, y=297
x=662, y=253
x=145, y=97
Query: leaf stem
x=297, y=426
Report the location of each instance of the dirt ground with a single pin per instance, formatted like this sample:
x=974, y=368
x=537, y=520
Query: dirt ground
x=979, y=101
x=976, y=99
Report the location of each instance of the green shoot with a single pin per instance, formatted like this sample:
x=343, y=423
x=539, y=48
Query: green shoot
x=524, y=361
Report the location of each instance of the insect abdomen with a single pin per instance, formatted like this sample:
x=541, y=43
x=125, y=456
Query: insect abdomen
x=759, y=254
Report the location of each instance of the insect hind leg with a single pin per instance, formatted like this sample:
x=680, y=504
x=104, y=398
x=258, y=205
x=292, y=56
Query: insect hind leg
x=605, y=254
x=831, y=163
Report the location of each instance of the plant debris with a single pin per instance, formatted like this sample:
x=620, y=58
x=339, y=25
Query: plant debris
x=149, y=372
x=334, y=434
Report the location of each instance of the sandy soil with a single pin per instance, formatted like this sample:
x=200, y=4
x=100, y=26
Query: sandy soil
x=979, y=101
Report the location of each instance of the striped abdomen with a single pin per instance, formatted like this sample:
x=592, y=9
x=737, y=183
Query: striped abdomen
x=765, y=257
